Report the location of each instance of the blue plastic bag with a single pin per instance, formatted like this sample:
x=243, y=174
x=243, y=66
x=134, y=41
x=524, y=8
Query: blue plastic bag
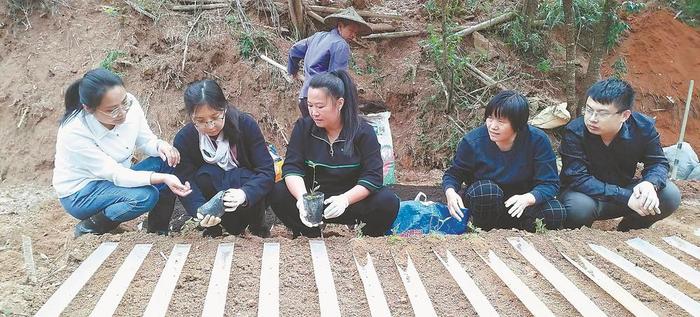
x=422, y=216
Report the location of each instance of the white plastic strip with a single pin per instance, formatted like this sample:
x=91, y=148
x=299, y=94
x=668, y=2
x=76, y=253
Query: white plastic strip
x=269, y=295
x=684, y=246
x=575, y=296
x=373, y=289
x=666, y=260
x=65, y=293
x=632, y=304
x=328, y=299
x=120, y=282
x=650, y=280
x=417, y=295
x=466, y=283
x=29, y=264
x=160, y=299
x=516, y=285
x=215, y=302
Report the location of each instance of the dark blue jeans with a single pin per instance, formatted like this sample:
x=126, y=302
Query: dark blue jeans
x=118, y=203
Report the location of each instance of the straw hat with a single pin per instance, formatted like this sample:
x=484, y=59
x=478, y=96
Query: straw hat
x=351, y=15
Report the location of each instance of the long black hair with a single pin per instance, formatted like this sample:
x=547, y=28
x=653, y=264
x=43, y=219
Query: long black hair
x=89, y=91
x=339, y=84
x=208, y=92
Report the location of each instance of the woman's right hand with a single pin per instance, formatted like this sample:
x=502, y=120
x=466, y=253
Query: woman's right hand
x=302, y=214
x=454, y=204
x=177, y=187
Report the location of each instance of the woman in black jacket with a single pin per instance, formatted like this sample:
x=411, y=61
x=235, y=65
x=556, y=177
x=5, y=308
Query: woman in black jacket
x=336, y=151
x=225, y=158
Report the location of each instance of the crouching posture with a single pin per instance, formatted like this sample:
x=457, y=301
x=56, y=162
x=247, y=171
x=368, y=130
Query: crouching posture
x=509, y=168
x=600, y=152
x=335, y=152
x=225, y=158
x=93, y=175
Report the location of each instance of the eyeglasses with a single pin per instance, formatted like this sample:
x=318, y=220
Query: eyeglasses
x=601, y=115
x=210, y=123
x=122, y=108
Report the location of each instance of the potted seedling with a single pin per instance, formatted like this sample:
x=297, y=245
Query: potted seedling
x=313, y=201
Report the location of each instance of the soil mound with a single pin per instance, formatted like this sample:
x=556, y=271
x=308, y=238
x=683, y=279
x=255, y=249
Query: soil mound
x=661, y=56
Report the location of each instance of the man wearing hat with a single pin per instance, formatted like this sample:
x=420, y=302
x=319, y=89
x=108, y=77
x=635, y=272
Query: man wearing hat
x=326, y=51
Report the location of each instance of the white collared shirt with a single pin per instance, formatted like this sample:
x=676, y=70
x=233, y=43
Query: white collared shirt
x=87, y=151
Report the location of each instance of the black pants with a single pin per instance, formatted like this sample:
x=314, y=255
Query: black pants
x=485, y=200
x=377, y=211
x=303, y=107
x=582, y=210
x=251, y=216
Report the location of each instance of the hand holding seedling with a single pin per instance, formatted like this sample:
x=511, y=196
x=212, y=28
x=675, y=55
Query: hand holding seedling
x=303, y=214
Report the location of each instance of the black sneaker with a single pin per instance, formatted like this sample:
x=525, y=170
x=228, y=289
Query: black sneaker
x=215, y=231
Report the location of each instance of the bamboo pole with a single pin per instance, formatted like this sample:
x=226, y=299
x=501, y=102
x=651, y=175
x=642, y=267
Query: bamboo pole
x=362, y=13
x=487, y=24
x=194, y=7
x=681, y=135
x=141, y=10
x=393, y=35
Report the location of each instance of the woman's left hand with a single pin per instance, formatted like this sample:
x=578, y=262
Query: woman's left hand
x=336, y=206
x=233, y=198
x=518, y=203
x=169, y=153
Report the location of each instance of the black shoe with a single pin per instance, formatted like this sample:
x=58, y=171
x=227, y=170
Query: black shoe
x=213, y=232
x=214, y=207
x=96, y=224
x=158, y=221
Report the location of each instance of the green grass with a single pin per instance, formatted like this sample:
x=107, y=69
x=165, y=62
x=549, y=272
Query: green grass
x=394, y=239
x=545, y=65
x=540, y=227
x=112, y=56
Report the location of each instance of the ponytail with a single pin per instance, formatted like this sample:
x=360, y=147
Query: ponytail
x=88, y=91
x=339, y=84
x=72, y=101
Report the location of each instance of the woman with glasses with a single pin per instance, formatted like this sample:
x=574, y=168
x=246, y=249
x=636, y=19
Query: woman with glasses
x=225, y=158
x=93, y=176
x=509, y=170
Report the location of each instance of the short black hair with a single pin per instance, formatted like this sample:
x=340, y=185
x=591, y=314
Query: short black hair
x=612, y=91
x=511, y=105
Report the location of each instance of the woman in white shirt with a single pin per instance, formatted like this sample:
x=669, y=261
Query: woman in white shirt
x=93, y=174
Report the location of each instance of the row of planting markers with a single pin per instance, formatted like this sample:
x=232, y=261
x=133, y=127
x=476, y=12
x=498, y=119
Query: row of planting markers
x=268, y=301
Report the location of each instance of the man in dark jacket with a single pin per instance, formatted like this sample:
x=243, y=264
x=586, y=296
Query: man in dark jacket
x=600, y=152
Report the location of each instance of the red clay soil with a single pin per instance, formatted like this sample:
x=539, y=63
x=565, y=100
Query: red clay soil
x=662, y=55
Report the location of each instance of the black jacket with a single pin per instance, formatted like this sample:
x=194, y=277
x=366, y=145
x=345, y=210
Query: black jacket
x=336, y=171
x=252, y=154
